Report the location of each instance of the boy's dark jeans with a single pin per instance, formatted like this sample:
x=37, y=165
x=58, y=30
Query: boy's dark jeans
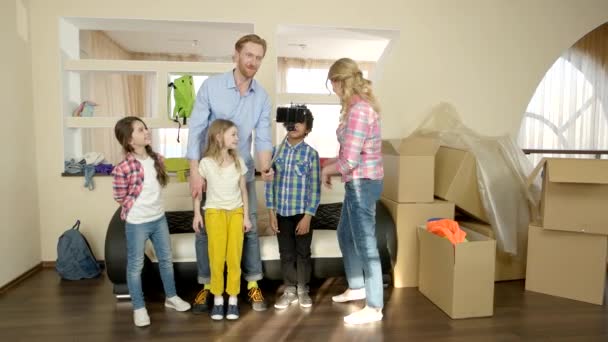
x=295, y=252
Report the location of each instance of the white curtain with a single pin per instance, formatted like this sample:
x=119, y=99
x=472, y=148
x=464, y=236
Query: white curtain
x=569, y=110
x=116, y=94
x=314, y=71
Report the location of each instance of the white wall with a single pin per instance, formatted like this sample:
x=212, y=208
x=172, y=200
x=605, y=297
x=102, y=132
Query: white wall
x=483, y=56
x=19, y=229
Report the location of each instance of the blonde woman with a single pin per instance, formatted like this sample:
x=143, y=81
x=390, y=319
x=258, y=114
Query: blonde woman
x=359, y=162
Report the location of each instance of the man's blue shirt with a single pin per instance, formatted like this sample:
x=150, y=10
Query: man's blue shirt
x=219, y=98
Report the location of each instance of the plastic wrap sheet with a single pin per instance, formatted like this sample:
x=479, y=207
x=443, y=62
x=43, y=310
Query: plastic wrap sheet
x=502, y=170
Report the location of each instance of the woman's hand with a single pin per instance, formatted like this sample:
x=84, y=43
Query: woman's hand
x=198, y=223
x=326, y=178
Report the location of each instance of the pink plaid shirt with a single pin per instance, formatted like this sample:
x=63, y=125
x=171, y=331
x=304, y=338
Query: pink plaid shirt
x=128, y=182
x=360, y=143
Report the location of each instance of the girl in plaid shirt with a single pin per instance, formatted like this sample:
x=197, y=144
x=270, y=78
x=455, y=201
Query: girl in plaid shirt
x=137, y=184
x=359, y=163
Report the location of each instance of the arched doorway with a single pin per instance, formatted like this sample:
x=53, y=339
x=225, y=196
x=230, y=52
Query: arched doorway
x=569, y=109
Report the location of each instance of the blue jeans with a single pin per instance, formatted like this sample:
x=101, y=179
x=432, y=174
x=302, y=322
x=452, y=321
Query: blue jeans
x=251, y=261
x=357, y=239
x=137, y=234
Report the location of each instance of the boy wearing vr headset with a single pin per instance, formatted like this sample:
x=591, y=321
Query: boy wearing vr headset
x=292, y=199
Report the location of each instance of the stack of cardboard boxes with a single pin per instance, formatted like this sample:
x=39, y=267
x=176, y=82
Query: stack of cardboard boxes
x=567, y=250
x=409, y=168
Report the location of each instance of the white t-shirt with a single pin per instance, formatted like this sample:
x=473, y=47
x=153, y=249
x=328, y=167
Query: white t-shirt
x=149, y=204
x=223, y=191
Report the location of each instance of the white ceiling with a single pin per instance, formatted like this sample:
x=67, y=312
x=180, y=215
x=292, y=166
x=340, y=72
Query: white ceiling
x=215, y=41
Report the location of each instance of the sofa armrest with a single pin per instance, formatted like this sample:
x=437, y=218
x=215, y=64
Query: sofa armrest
x=116, y=250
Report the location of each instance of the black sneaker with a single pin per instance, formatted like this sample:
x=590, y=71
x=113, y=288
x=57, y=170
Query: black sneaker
x=233, y=312
x=217, y=313
x=202, y=302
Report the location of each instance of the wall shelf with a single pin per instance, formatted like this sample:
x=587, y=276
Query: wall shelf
x=133, y=66
x=110, y=121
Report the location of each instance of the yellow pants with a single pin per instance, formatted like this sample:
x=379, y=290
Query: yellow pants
x=225, y=245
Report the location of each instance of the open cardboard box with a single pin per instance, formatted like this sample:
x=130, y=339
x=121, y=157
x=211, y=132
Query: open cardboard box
x=459, y=279
x=574, y=194
x=409, y=166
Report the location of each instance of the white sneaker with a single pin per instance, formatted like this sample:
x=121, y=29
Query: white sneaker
x=177, y=303
x=349, y=295
x=141, y=318
x=366, y=315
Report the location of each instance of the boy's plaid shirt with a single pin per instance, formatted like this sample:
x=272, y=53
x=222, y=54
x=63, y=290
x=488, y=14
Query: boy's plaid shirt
x=296, y=188
x=128, y=183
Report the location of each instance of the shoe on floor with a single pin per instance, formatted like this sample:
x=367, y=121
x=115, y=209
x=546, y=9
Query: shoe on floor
x=233, y=312
x=366, y=315
x=349, y=295
x=304, y=299
x=202, y=302
x=141, y=318
x=285, y=299
x=217, y=312
x=257, y=299
x=177, y=303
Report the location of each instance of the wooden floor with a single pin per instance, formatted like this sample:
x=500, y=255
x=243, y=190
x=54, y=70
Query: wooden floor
x=45, y=308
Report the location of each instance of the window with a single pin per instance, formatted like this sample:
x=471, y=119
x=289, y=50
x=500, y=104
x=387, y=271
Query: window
x=305, y=54
x=565, y=113
x=164, y=140
x=309, y=77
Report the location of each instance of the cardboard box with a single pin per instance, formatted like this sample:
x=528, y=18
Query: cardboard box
x=574, y=194
x=409, y=166
x=459, y=279
x=407, y=217
x=456, y=180
x=508, y=267
x=566, y=264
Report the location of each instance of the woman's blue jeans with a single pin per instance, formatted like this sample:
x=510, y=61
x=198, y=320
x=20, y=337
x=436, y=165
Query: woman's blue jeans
x=137, y=234
x=357, y=239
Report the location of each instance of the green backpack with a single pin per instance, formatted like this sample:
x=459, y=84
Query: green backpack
x=183, y=93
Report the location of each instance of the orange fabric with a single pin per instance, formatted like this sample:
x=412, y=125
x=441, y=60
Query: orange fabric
x=448, y=229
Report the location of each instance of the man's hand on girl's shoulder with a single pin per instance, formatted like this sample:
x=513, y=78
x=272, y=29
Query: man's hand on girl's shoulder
x=198, y=223
x=246, y=225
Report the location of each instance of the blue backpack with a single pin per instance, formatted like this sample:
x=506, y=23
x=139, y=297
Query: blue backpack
x=75, y=260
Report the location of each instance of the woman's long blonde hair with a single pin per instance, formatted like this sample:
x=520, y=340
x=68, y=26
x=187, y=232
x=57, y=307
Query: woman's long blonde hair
x=347, y=73
x=215, y=141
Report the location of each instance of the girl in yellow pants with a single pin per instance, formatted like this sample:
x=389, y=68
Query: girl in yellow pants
x=226, y=214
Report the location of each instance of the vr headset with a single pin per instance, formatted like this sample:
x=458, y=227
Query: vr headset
x=293, y=114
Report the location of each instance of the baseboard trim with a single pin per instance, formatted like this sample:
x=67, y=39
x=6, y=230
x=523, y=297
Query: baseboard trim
x=52, y=264
x=49, y=264
x=22, y=277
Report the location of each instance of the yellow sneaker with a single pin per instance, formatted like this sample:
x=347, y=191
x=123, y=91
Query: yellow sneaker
x=257, y=299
